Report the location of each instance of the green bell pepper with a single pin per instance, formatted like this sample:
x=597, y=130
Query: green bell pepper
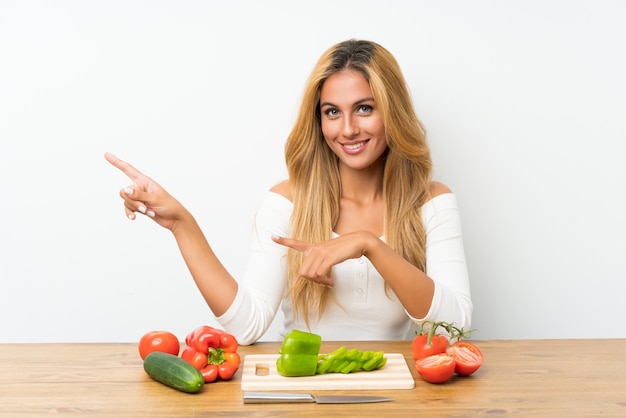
x=299, y=354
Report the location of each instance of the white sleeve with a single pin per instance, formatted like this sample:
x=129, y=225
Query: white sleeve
x=263, y=285
x=445, y=263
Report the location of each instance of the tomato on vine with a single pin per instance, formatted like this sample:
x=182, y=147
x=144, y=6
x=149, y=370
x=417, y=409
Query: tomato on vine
x=467, y=356
x=425, y=345
x=430, y=343
x=437, y=358
x=437, y=368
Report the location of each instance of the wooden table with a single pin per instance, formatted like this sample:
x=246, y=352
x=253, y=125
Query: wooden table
x=559, y=378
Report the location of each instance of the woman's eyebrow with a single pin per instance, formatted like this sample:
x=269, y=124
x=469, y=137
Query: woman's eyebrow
x=358, y=102
x=367, y=99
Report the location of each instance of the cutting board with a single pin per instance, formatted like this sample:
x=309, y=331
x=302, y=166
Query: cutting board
x=395, y=374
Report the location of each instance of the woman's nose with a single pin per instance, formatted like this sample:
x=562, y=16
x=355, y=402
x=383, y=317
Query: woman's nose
x=350, y=127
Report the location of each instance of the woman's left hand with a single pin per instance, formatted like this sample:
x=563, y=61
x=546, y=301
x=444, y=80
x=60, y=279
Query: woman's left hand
x=320, y=258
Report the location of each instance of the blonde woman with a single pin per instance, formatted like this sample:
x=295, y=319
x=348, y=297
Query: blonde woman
x=359, y=242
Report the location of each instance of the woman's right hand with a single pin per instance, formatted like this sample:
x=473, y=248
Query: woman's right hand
x=146, y=196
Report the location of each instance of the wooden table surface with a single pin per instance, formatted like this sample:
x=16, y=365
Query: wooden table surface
x=559, y=378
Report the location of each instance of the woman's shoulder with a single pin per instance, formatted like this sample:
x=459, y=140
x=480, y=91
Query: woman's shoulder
x=438, y=188
x=441, y=209
x=441, y=197
x=283, y=188
x=275, y=206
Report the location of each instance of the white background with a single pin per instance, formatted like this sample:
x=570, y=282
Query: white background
x=524, y=103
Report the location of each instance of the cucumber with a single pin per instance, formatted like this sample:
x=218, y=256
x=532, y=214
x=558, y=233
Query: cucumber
x=173, y=371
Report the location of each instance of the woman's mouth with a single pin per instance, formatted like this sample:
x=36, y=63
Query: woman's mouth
x=354, y=147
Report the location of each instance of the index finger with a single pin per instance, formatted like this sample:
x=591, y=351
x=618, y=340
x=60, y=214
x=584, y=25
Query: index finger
x=301, y=246
x=126, y=168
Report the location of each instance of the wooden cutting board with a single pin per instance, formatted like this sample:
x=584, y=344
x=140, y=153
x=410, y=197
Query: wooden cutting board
x=395, y=374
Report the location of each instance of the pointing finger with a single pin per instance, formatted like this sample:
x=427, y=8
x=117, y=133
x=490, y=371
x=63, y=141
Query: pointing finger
x=126, y=168
x=293, y=243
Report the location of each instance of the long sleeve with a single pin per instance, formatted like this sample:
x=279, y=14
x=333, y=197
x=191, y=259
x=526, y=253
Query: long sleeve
x=445, y=263
x=264, y=282
x=359, y=308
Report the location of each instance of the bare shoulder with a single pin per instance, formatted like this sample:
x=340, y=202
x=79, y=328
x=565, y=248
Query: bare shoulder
x=437, y=188
x=283, y=188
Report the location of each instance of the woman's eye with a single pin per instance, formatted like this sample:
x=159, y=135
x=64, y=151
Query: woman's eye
x=364, y=109
x=331, y=112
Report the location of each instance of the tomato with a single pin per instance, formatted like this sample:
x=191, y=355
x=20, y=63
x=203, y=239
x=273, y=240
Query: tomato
x=437, y=368
x=421, y=348
x=163, y=341
x=467, y=356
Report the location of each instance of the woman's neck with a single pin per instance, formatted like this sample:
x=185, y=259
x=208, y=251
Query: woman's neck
x=362, y=186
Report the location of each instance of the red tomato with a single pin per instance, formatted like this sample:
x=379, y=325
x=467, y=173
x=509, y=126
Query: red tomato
x=437, y=368
x=467, y=356
x=163, y=341
x=421, y=348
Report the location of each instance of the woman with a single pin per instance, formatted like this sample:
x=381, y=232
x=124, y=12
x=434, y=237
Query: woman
x=358, y=243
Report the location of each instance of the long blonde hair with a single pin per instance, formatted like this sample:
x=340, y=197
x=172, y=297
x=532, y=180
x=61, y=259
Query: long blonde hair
x=314, y=175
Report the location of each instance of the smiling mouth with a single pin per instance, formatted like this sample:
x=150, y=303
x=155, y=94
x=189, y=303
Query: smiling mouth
x=354, y=146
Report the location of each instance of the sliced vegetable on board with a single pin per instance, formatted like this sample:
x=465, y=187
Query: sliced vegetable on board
x=345, y=361
x=300, y=356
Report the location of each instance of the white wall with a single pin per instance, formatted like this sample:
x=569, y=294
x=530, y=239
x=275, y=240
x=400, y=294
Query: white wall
x=524, y=103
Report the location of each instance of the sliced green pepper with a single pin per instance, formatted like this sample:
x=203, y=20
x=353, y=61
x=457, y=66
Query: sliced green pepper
x=299, y=354
x=350, y=361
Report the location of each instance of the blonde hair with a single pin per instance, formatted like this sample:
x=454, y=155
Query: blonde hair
x=314, y=175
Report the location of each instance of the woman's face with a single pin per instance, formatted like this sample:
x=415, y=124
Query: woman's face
x=351, y=123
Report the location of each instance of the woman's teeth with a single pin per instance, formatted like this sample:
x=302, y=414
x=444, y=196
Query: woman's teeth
x=354, y=146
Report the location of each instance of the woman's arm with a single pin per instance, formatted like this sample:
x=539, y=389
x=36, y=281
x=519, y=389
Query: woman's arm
x=146, y=196
x=264, y=281
x=441, y=293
